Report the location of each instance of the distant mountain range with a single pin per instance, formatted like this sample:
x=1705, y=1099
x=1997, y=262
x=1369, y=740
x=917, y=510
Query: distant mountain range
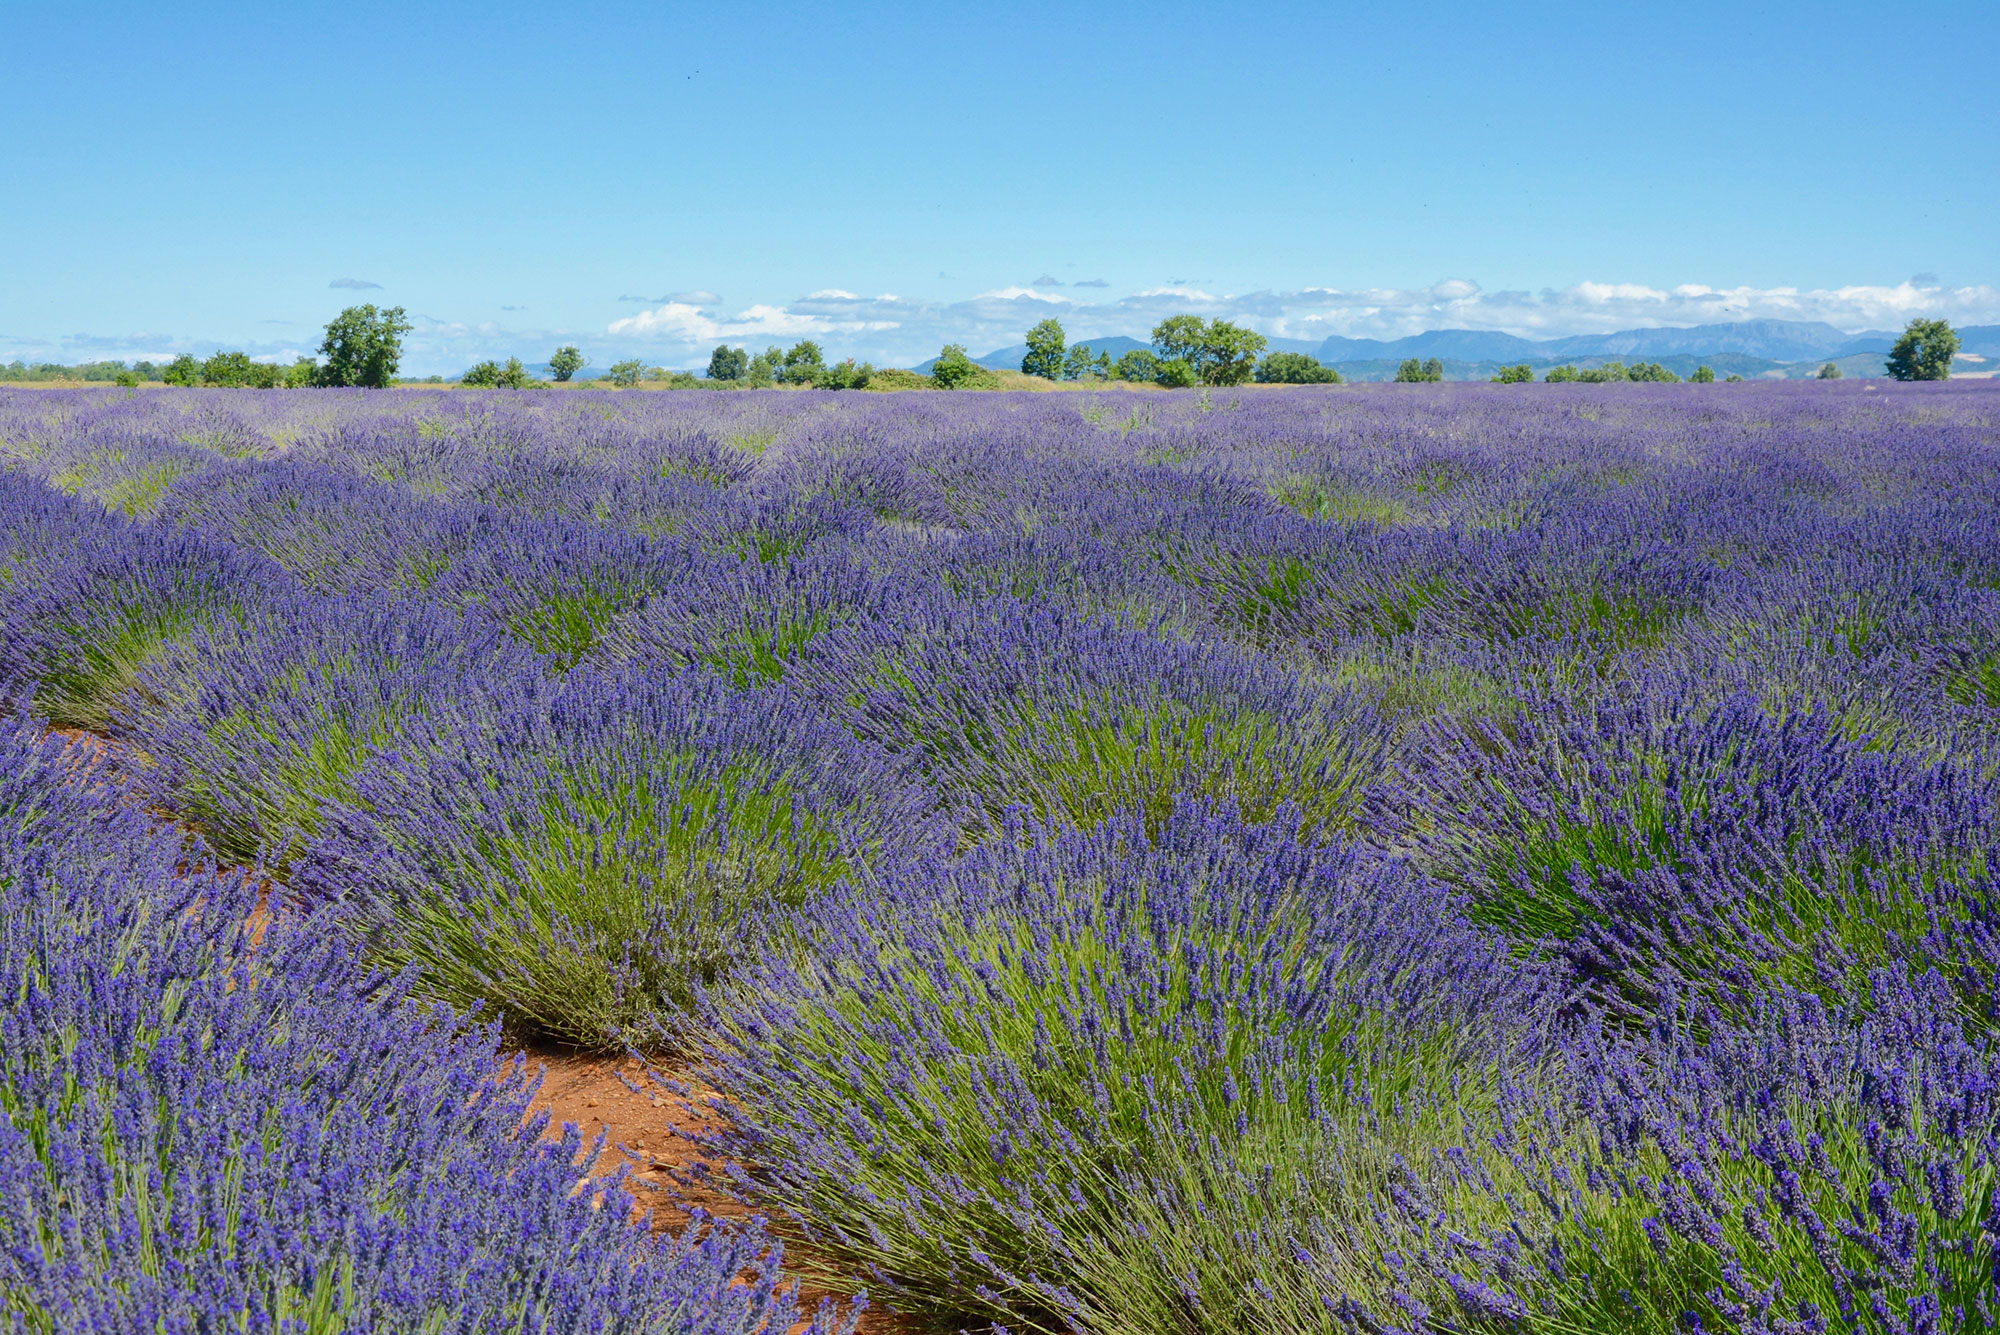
x=1750, y=347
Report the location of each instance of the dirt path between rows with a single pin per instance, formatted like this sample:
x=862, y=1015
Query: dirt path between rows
x=649, y=1129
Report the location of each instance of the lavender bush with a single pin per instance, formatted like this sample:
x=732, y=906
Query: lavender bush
x=581, y=864
x=195, y=1134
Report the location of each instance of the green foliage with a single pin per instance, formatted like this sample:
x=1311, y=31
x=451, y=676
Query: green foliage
x=1652, y=373
x=848, y=374
x=727, y=363
x=895, y=377
x=1079, y=364
x=804, y=364
x=492, y=375
x=565, y=362
x=1414, y=372
x=1828, y=372
x=1514, y=375
x=1703, y=375
x=183, y=370
x=302, y=374
x=1734, y=380
x=1216, y=351
x=1176, y=373
x=1045, y=351
x=1295, y=368
x=1924, y=352
x=363, y=346
x=953, y=367
x=1140, y=366
x=762, y=372
x=627, y=374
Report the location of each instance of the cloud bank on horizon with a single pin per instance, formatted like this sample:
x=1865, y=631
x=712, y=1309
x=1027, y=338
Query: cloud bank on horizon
x=899, y=327
x=679, y=328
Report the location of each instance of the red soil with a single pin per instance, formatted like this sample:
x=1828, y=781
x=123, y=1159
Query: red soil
x=649, y=1130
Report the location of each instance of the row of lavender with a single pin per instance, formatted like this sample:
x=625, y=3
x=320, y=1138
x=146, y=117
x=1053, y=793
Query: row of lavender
x=1332, y=860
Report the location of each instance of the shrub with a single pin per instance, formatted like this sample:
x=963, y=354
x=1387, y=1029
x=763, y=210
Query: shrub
x=579, y=863
x=1109, y=1082
x=953, y=367
x=1138, y=365
x=1669, y=848
x=253, y=730
x=492, y=375
x=626, y=374
x=1000, y=704
x=1514, y=375
x=195, y=1133
x=1413, y=371
x=81, y=620
x=1295, y=368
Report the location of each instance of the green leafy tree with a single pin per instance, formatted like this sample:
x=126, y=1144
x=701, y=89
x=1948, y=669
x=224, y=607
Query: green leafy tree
x=1179, y=338
x=1079, y=364
x=492, y=375
x=1229, y=353
x=1703, y=375
x=952, y=368
x=182, y=370
x=1514, y=375
x=626, y=374
x=1045, y=351
x=1295, y=368
x=363, y=346
x=1652, y=373
x=230, y=370
x=1924, y=352
x=302, y=374
x=127, y=379
x=1560, y=375
x=1414, y=372
x=1101, y=368
x=1140, y=366
x=727, y=363
x=844, y=375
x=763, y=370
x=565, y=362
x=804, y=364
x=1828, y=372
x=1734, y=380
x=1177, y=373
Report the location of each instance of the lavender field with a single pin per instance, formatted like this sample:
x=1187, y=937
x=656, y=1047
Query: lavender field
x=1431, y=858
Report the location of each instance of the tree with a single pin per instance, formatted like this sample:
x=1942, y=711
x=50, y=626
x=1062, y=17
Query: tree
x=626, y=374
x=1514, y=375
x=952, y=368
x=727, y=363
x=1828, y=372
x=231, y=370
x=1139, y=366
x=182, y=370
x=1924, y=352
x=1079, y=364
x=1228, y=353
x=1295, y=368
x=763, y=370
x=846, y=375
x=1560, y=375
x=1703, y=375
x=492, y=375
x=363, y=346
x=1414, y=372
x=804, y=364
x=1045, y=351
x=565, y=362
x=1102, y=367
x=1653, y=373
x=1179, y=338
x=1177, y=373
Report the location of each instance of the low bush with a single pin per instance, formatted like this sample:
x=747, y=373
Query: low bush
x=198, y=1135
x=1000, y=704
x=581, y=859
x=1113, y=1082
x=251, y=731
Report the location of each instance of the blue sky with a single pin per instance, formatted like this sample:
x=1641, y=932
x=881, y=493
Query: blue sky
x=650, y=179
